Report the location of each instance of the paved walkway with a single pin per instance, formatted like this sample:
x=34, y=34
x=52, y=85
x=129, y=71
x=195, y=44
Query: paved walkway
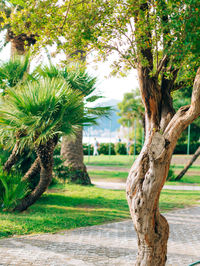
x=113, y=244
x=122, y=186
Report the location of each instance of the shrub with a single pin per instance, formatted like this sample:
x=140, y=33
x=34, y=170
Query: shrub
x=85, y=149
x=120, y=148
x=12, y=190
x=59, y=170
x=104, y=148
x=4, y=154
x=137, y=148
x=181, y=148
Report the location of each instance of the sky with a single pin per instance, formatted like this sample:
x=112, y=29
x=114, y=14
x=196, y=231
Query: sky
x=110, y=88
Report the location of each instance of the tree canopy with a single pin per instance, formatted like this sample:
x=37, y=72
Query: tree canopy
x=145, y=31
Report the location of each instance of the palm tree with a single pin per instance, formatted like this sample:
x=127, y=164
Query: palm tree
x=12, y=73
x=36, y=116
x=72, y=150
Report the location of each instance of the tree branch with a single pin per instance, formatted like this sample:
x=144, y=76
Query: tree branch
x=114, y=48
x=161, y=64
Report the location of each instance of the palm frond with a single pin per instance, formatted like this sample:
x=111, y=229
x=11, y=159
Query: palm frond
x=41, y=110
x=76, y=76
x=13, y=72
x=93, y=98
x=100, y=111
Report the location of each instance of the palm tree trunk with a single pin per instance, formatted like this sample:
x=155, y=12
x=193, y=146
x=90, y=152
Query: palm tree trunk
x=193, y=159
x=72, y=153
x=72, y=150
x=45, y=157
x=12, y=159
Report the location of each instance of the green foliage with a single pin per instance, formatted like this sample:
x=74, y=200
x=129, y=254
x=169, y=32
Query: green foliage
x=104, y=148
x=181, y=97
x=12, y=190
x=120, y=148
x=87, y=150
x=39, y=111
x=137, y=148
x=79, y=80
x=13, y=72
x=131, y=108
x=181, y=148
x=4, y=154
x=75, y=76
x=165, y=27
x=171, y=175
x=59, y=170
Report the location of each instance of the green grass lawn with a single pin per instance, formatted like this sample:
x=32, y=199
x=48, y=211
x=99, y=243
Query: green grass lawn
x=71, y=206
x=113, y=160
x=125, y=161
x=115, y=176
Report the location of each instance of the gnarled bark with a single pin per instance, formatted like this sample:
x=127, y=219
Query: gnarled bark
x=72, y=153
x=193, y=159
x=148, y=173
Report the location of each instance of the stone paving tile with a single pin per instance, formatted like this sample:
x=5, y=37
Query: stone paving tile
x=110, y=244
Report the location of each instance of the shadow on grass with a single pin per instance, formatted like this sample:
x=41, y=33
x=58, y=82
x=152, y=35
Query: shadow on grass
x=82, y=202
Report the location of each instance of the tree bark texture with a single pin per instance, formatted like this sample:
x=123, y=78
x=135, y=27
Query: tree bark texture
x=193, y=159
x=72, y=153
x=32, y=174
x=148, y=173
x=45, y=158
x=12, y=159
x=18, y=42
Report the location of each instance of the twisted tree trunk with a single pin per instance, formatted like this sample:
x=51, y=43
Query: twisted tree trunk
x=45, y=158
x=193, y=159
x=72, y=153
x=148, y=173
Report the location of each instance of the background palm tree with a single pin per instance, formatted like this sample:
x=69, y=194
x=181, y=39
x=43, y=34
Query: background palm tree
x=36, y=115
x=72, y=150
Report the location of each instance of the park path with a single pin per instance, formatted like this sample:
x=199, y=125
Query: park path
x=176, y=160
x=126, y=169
x=122, y=186
x=111, y=244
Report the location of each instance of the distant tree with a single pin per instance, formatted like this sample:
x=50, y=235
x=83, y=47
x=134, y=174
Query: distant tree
x=131, y=108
